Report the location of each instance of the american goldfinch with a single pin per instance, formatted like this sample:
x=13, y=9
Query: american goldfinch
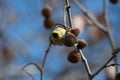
x=57, y=35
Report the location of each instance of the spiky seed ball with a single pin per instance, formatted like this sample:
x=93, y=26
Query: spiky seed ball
x=114, y=1
x=48, y=23
x=81, y=44
x=75, y=31
x=69, y=39
x=74, y=56
x=117, y=76
x=47, y=11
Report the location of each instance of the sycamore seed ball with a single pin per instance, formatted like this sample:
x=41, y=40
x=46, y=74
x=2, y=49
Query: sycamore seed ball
x=69, y=39
x=74, y=56
x=47, y=11
x=81, y=44
x=75, y=31
x=48, y=23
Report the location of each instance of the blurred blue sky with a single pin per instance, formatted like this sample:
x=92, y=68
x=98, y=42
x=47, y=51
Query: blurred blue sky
x=28, y=38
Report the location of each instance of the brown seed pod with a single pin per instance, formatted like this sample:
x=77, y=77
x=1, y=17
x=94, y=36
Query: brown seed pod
x=114, y=1
x=48, y=23
x=75, y=31
x=81, y=44
x=74, y=56
x=69, y=39
x=7, y=55
x=47, y=11
x=117, y=76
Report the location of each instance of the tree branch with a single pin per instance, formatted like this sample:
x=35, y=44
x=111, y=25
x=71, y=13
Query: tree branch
x=44, y=60
x=68, y=9
x=104, y=66
x=106, y=29
x=36, y=65
x=41, y=69
x=90, y=16
x=84, y=60
x=109, y=32
x=82, y=56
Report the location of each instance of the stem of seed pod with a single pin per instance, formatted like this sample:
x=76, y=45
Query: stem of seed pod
x=64, y=16
x=82, y=56
x=68, y=9
x=86, y=65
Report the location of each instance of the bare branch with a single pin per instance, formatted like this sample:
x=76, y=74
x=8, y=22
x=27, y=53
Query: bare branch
x=68, y=9
x=41, y=69
x=64, y=11
x=114, y=52
x=86, y=65
x=44, y=60
x=109, y=32
x=82, y=56
x=102, y=67
x=90, y=16
x=36, y=65
x=106, y=29
x=29, y=74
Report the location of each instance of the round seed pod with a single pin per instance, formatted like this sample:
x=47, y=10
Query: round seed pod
x=114, y=1
x=69, y=39
x=117, y=76
x=47, y=11
x=74, y=56
x=48, y=23
x=75, y=31
x=81, y=44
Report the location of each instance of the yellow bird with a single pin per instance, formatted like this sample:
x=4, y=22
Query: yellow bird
x=57, y=35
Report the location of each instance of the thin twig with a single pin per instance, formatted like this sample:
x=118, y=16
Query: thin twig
x=102, y=67
x=90, y=16
x=36, y=65
x=114, y=52
x=29, y=74
x=64, y=11
x=82, y=56
x=68, y=9
x=41, y=69
x=109, y=33
x=46, y=53
x=86, y=65
x=101, y=27
x=44, y=60
x=107, y=24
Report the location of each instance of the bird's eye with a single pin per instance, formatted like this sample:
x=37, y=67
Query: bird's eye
x=55, y=35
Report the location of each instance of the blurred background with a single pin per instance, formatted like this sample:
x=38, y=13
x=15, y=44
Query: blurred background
x=24, y=39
